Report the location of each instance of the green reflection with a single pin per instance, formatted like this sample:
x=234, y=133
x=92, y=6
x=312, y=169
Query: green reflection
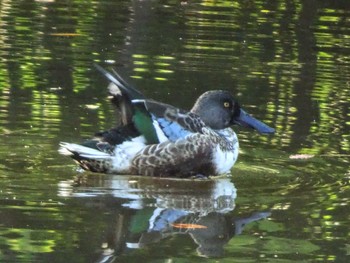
x=286, y=61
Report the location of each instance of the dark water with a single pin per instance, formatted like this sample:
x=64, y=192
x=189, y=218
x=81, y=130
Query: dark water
x=288, y=64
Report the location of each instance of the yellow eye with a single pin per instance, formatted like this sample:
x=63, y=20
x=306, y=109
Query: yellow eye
x=226, y=104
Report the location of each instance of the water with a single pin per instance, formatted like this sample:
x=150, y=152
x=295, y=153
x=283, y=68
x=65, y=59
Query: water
x=288, y=64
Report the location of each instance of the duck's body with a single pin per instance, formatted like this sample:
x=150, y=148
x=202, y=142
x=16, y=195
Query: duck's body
x=207, y=153
x=157, y=139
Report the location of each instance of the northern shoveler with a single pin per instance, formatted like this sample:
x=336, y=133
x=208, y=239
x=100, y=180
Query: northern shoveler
x=157, y=139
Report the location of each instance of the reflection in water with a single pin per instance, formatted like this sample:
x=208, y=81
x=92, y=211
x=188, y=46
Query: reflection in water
x=210, y=195
x=292, y=54
x=163, y=208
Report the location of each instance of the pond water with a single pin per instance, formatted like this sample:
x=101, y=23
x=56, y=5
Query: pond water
x=288, y=64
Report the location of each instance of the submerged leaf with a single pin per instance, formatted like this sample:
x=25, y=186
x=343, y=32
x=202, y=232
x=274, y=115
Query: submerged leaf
x=188, y=226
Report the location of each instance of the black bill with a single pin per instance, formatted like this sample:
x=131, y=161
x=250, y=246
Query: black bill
x=245, y=120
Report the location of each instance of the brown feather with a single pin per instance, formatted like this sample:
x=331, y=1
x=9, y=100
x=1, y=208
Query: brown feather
x=189, y=156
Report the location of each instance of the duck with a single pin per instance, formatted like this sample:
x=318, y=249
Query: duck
x=161, y=140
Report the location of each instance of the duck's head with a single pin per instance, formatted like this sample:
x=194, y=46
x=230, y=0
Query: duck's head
x=218, y=109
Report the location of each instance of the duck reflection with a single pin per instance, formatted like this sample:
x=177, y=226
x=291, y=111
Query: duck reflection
x=155, y=209
x=210, y=231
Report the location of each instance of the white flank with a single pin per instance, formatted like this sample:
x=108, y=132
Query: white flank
x=120, y=160
x=125, y=153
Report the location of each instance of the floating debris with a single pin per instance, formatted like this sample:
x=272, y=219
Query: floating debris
x=301, y=156
x=65, y=34
x=92, y=106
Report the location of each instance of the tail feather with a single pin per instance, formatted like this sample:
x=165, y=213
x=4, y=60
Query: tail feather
x=77, y=151
x=88, y=158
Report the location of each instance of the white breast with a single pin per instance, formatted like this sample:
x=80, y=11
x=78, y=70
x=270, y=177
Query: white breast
x=224, y=160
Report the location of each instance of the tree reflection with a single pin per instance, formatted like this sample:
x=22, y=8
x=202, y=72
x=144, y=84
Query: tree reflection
x=286, y=61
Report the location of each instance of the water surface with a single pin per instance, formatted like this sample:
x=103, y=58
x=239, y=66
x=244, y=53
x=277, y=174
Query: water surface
x=288, y=64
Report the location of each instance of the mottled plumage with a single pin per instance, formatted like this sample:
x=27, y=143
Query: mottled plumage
x=188, y=156
x=157, y=139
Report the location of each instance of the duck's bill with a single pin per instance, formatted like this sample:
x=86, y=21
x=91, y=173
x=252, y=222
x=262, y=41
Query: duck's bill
x=245, y=120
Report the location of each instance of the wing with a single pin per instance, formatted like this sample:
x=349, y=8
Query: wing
x=169, y=122
x=125, y=88
x=121, y=94
x=116, y=135
x=156, y=121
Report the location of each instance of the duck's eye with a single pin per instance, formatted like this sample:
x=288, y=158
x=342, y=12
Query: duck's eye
x=227, y=104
